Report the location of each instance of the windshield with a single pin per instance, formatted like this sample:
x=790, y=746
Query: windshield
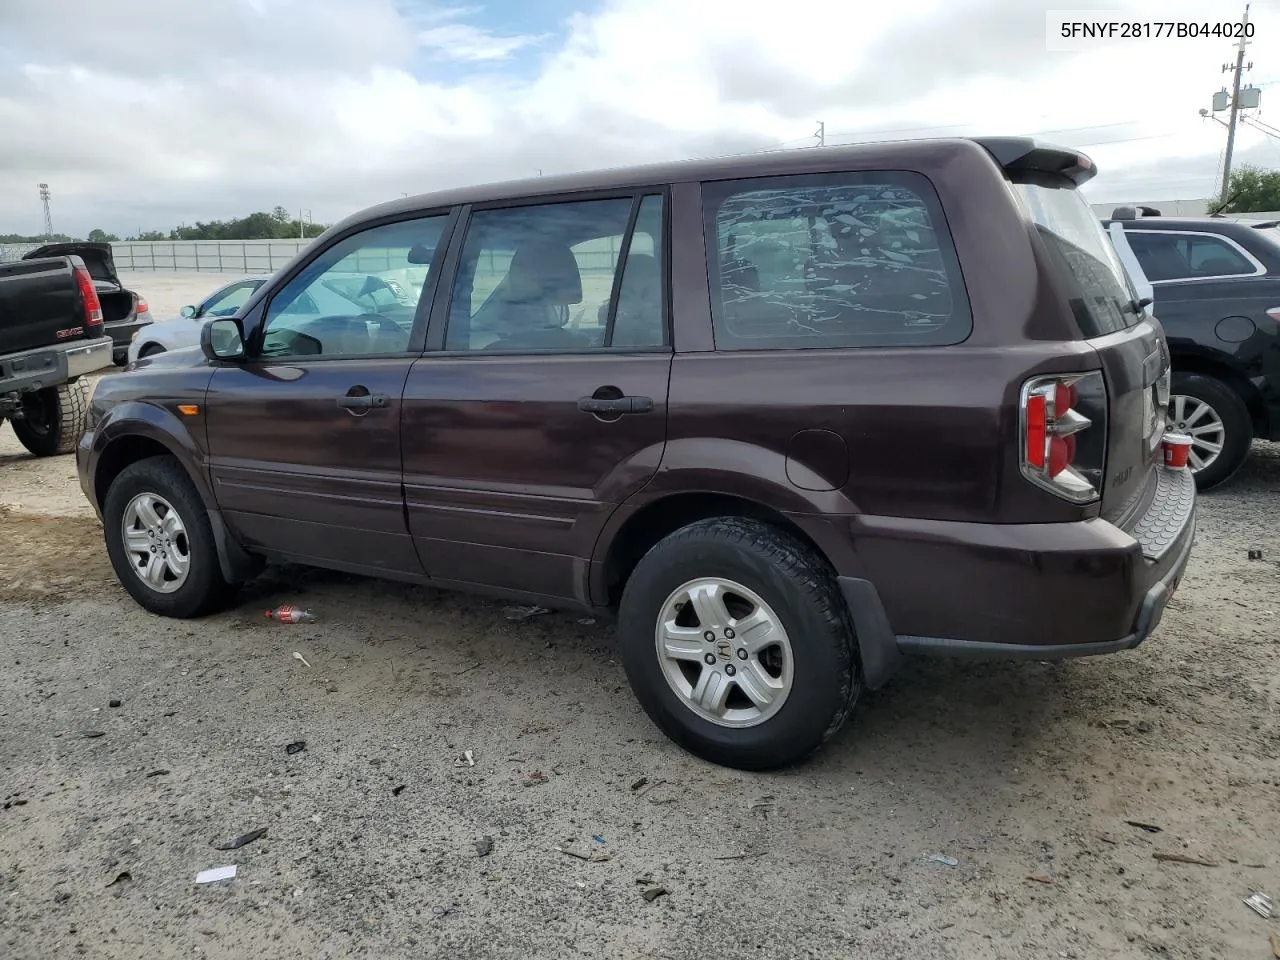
x=1103, y=294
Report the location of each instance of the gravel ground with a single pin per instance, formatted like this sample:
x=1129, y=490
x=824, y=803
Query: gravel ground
x=1024, y=773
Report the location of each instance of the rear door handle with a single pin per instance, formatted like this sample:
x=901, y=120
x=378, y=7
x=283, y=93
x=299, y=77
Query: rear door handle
x=618, y=405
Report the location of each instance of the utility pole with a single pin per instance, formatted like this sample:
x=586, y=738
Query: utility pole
x=1235, y=107
x=821, y=134
x=48, y=219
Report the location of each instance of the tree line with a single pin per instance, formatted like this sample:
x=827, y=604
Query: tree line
x=276, y=225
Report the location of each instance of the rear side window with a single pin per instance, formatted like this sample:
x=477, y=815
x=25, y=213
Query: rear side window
x=833, y=260
x=1168, y=255
x=1102, y=295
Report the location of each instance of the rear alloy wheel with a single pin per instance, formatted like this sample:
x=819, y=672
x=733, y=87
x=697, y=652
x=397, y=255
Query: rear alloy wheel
x=53, y=419
x=160, y=540
x=1217, y=421
x=738, y=645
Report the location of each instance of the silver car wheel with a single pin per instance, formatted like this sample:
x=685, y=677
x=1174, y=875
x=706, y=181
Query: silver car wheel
x=1195, y=418
x=724, y=652
x=155, y=540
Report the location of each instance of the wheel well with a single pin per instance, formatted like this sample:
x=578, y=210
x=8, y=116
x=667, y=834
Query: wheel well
x=663, y=517
x=121, y=454
x=1190, y=363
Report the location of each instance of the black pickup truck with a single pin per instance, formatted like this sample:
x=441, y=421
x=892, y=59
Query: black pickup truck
x=124, y=312
x=51, y=334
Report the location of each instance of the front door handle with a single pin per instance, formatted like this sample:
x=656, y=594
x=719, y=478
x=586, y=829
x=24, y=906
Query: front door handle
x=362, y=402
x=616, y=405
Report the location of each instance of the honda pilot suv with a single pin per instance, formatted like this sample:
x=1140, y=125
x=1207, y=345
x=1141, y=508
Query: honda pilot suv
x=790, y=417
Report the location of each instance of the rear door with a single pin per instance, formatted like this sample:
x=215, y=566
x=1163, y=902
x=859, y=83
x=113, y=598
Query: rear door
x=544, y=404
x=1129, y=341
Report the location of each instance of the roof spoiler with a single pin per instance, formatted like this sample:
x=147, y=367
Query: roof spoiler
x=1025, y=155
x=1133, y=212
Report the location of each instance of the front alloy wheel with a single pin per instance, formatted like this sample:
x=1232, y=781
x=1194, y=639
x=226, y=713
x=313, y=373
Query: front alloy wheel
x=155, y=539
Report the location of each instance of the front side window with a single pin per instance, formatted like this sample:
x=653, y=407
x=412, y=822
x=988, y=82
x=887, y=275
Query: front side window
x=1168, y=255
x=836, y=260
x=359, y=297
x=543, y=277
x=227, y=303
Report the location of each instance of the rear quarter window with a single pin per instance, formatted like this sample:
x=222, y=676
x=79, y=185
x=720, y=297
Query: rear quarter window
x=830, y=261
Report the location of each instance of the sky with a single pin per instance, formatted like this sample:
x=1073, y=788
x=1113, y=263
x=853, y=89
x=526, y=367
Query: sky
x=143, y=114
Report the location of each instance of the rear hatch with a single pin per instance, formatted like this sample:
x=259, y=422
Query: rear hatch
x=96, y=256
x=1129, y=341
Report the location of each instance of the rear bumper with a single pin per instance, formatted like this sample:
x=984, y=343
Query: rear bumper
x=50, y=366
x=121, y=334
x=1041, y=591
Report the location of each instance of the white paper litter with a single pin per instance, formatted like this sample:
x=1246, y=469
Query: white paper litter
x=216, y=874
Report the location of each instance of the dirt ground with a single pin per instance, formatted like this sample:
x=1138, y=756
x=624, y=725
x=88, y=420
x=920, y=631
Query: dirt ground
x=1024, y=773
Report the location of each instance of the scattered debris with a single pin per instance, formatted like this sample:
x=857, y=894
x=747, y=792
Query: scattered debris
x=653, y=892
x=740, y=856
x=523, y=613
x=1255, y=554
x=1041, y=878
x=597, y=838
x=574, y=849
x=396, y=791
x=475, y=666
x=940, y=858
x=15, y=803
x=296, y=747
x=91, y=734
x=1274, y=940
x=113, y=704
x=586, y=621
x=158, y=773
x=764, y=805
x=535, y=779
x=121, y=877
x=1260, y=904
x=241, y=840
x=484, y=846
x=639, y=783
x=291, y=614
x=301, y=659
x=1149, y=827
x=1182, y=858
x=216, y=874
x=468, y=759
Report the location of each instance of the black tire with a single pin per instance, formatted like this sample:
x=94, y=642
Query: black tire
x=802, y=592
x=150, y=350
x=204, y=590
x=1236, y=422
x=53, y=419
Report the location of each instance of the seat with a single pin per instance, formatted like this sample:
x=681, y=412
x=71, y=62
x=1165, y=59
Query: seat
x=542, y=282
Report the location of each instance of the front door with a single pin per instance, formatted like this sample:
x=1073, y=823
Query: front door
x=304, y=437
x=547, y=406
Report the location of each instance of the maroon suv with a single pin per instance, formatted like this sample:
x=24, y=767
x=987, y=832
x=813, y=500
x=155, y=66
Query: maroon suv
x=790, y=416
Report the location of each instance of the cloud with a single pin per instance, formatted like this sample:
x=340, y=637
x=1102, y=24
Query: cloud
x=461, y=41
x=143, y=113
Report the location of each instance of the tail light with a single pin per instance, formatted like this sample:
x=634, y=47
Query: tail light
x=142, y=307
x=89, y=294
x=1064, y=430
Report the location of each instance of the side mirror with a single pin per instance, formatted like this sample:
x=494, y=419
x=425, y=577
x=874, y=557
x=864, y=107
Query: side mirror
x=222, y=339
x=189, y=311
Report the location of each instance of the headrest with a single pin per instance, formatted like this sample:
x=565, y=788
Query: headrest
x=545, y=272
